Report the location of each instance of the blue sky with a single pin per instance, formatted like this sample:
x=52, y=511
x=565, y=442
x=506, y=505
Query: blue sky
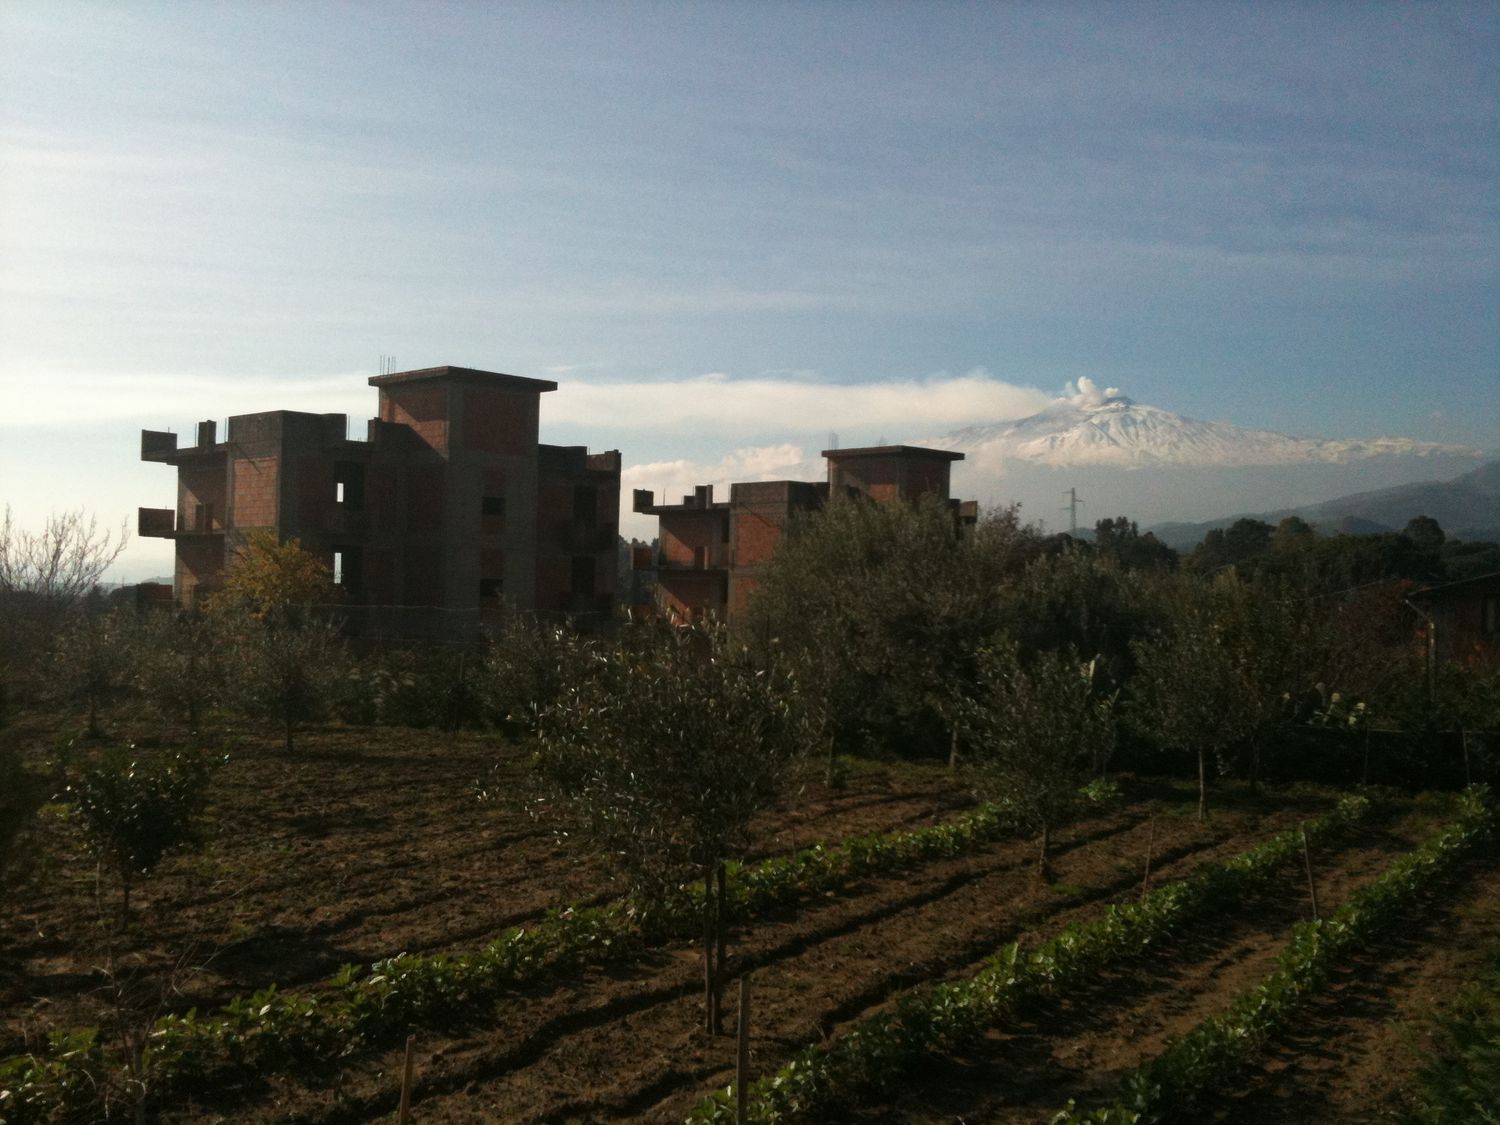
x=885, y=220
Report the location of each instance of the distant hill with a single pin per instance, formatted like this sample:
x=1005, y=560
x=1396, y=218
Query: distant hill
x=1467, y=507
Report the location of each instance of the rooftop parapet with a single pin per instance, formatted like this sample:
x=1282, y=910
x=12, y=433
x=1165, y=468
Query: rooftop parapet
x=701, y=499
x=463, y=374
x=156, y=444
x=918, y=451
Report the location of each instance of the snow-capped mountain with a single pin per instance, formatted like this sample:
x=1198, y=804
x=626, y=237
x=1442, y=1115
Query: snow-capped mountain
x=1094, y=427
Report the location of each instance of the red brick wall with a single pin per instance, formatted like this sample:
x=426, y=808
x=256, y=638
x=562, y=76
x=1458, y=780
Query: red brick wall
x=423, y=408
x=744, y=589
x=756, y=537
x=688, y=595
x=682, y=533
x=877, y=477
x=199, y=561
x=202, y=486
x=499, y=422
x=1461, y=634
x=256, y=481
x=927, y=477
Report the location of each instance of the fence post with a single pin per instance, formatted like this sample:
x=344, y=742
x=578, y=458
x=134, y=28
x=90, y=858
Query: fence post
x=404, y=1114
x=742, y=1055
x=1150, y=847
x=1312, y=888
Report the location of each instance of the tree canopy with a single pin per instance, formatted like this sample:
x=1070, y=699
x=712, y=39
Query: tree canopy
x=272, y=579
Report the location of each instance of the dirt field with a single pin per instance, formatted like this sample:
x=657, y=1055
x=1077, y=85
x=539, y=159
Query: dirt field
x=371, y=842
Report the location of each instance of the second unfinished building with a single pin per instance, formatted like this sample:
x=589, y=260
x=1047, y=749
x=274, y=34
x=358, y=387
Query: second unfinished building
x=710, y=553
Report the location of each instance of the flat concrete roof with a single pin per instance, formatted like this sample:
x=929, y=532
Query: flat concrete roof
x=894, y=451
x=464, y=374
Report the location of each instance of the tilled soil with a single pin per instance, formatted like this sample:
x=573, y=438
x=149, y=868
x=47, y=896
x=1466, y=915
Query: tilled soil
x=369, y=842
x=1354, y=1055
x=1083, y=1046
x=366, y=843
x=627, y=1044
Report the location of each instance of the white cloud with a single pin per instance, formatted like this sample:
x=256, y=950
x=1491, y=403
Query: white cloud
x=1086, y=392
x=721, y=404
x=714, y=404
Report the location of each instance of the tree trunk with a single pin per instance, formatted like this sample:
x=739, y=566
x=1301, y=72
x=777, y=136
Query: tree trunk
x=1255, y=767
x=953, y=751
x=710, y=983
x=287, y=716
x=1043, y=868
x=1202, y=790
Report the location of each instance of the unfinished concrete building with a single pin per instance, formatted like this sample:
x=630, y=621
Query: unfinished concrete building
x=448, y=503
x=710, y=553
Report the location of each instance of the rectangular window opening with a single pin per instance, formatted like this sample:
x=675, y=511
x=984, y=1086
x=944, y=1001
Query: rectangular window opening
x=347, y=569
x=349, y=484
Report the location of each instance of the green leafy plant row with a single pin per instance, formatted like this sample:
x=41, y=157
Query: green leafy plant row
x=387, y=999
x=1460, y=1080
x=1168, y=1085
x=878, y=1051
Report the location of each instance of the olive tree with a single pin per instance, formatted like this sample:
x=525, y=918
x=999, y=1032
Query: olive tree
x=1191, y=692
x=880, y=608
x=276, y=581
x=22, y=793
x=90, y=660
x=177, y=661
x=134, y=813
x=527, y=667
x=1035, y=729
x=283, y=672
x=665, y=748
x=283, y=657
